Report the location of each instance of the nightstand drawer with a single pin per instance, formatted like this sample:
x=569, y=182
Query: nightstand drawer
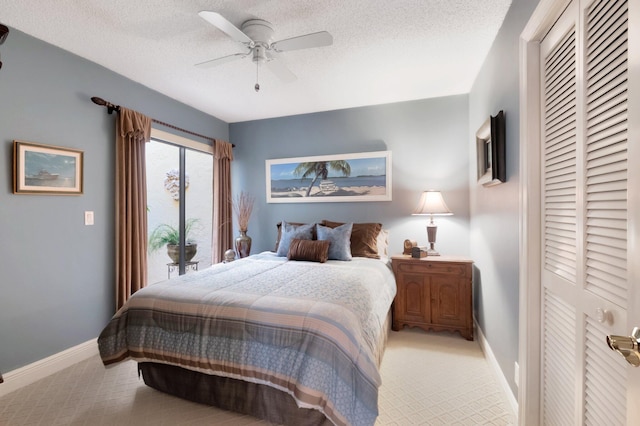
x=426, y=267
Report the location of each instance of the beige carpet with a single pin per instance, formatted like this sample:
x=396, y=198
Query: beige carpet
x=428, y=379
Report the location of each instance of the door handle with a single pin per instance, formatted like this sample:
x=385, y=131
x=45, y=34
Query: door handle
x=627, y=346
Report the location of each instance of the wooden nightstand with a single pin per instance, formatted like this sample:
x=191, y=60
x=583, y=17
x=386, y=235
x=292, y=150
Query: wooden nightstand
x=434, y=293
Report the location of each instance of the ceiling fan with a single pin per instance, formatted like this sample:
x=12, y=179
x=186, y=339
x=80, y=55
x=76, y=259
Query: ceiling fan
x=256, y=36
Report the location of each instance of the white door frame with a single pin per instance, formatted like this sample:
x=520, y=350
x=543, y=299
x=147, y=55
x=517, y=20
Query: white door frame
x=541, y=21
x=633, y=132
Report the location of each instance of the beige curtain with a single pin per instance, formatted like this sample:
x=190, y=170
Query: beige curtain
x=133, y=130
x=222, y=238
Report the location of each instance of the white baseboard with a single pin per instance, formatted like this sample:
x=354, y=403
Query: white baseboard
x=493, y=362
x=14, y=380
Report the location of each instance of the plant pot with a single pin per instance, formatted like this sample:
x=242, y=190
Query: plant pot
x=173, y=250
x=243, y=244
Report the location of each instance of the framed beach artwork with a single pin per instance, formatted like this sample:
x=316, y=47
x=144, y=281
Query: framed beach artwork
x=46, y=169
x=330, y=178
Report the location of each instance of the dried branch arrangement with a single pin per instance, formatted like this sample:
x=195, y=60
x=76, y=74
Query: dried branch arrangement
x=242, y=207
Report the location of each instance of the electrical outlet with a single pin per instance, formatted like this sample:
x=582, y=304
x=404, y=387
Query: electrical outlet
x=88, y=218
x=516, y=374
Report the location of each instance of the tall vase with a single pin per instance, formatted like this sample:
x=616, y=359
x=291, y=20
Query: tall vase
x=243, y=244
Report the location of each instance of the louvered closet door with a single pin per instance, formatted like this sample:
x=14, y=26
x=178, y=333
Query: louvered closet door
x=585, y=268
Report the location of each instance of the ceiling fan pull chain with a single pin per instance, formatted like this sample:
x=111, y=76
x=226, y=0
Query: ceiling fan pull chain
x=257, y=86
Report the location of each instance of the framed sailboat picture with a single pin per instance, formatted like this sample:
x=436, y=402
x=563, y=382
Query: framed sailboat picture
x=46, y=169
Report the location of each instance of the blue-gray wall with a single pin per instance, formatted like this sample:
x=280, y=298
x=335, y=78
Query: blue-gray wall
x=56, y=275
x=495, y=210
x=57, y=280
x=428, y=141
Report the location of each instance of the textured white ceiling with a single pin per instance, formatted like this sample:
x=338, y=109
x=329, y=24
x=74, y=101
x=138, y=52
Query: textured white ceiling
x=384, y=50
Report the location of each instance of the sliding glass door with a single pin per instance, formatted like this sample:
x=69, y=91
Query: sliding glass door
x=179, y=209
x=199, y=202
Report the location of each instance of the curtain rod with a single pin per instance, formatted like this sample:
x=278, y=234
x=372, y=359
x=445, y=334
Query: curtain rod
x=111, y=107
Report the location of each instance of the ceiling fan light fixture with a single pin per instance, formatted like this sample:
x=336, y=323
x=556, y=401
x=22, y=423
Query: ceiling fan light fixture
x=260, y=54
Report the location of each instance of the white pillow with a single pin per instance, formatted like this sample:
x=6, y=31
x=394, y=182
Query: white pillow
x=383, y=243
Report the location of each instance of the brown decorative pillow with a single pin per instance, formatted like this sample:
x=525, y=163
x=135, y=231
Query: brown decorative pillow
x=364, y=238
x=311, y=250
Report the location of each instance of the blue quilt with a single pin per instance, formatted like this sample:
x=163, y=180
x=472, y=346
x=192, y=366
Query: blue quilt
x=313, y=330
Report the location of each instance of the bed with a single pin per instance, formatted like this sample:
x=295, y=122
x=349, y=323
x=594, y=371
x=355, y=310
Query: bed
x=289, y=341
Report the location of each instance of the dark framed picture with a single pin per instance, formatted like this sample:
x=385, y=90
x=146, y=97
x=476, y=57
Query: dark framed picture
x=490, y=151
x=46, y=169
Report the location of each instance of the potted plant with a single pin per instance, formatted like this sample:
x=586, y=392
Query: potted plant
x=169, y=236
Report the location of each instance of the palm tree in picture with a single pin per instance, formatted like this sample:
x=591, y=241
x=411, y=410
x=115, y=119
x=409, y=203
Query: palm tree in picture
x=320, y=169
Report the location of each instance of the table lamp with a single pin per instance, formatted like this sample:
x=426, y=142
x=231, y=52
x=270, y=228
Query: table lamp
x=431, y=203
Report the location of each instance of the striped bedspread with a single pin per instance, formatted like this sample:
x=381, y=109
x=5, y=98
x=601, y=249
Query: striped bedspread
x=312, y=330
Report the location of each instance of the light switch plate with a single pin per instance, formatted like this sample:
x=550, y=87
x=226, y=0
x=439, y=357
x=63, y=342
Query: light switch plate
x=88, y=218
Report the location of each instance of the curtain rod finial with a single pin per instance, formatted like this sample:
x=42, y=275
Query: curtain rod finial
x=110, y=107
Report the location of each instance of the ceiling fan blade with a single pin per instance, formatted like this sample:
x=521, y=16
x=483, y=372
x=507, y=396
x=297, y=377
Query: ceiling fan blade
x=223, y=60
x=280, y=70
x=318, y=39
x=225, y=26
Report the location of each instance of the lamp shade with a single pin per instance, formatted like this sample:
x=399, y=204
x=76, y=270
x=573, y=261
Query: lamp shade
x=432, y=203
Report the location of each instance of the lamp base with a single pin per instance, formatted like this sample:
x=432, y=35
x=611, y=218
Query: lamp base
x=431, y=237
x=432, y=252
